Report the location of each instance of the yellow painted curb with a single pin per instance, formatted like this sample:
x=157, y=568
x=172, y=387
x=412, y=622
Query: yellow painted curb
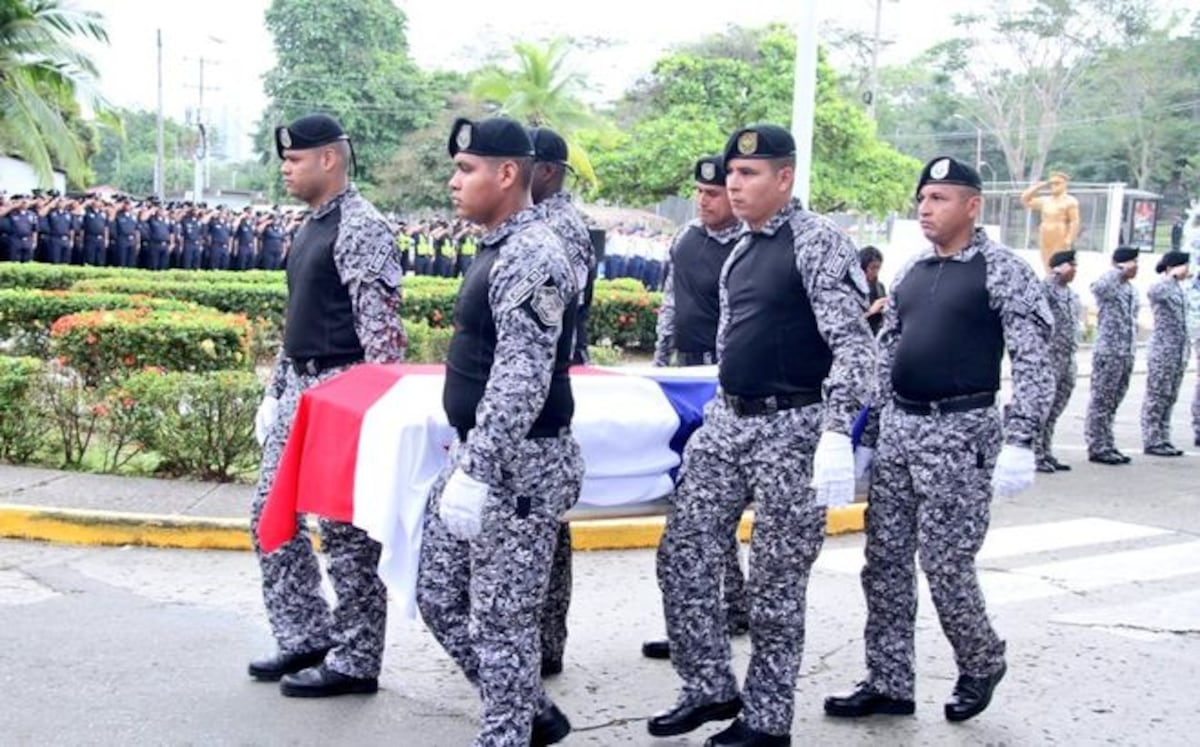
x=644, y=532
x=77, y=527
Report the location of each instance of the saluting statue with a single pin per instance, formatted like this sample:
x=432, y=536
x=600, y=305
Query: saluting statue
x=1060, y=215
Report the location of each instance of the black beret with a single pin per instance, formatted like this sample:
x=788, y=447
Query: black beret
x=494, y=136
x=548, y=146
x=711, y=170
x=1173, y=259
x=759, y=141
x=1062, y=258
x=311, y=131
x=946, y=170
x=1124, y=254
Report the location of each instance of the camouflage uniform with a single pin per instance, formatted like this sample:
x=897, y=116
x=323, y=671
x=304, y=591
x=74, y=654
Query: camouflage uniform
x=1167, y=360
x=299, y=615
x=1065, y=307
x=565, y=220
x=737, y=608
x=931, y=480
x=482, y=599
x=1112, y=358
x=767, y=456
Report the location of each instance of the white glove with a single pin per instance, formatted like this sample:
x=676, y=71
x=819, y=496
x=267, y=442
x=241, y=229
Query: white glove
x=833, y=470
x=268, y=411
x=1014, y=470
x=863, y=457
x=461, y=507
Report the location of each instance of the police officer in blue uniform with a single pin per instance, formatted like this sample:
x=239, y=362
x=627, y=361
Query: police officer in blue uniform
x=243, y=236
x=220, y=230
x=23, y=226
x=270, y=243
x=156, y=244
x=95, y=233
x=55, y=230
x=191, y=238
x=123, y=236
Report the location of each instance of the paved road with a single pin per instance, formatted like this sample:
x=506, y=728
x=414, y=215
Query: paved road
x=1093, y=577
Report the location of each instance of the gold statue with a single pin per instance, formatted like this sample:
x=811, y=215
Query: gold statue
x=1060, y=215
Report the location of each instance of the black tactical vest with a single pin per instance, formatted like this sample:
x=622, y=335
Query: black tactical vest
x=695, y=273
x=320, y=318
x=473, y=349
x=951, y=340
x=772, y=345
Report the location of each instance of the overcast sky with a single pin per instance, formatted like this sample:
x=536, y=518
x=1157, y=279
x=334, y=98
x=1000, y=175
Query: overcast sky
x=231, y=36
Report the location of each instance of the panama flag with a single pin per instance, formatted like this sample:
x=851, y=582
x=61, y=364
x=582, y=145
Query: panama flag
x=366, y=447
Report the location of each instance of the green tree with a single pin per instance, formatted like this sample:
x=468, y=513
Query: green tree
x=348, y=58
x=541, y=91
x=41, y=73
x=697, y=95
x=125, y=154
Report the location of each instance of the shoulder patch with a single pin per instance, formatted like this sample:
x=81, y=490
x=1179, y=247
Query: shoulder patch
x=524, y=288
x=548, y=305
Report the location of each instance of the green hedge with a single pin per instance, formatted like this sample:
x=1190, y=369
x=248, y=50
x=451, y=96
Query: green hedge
x=199, y=424
x=61, y=277
x=26, y=314
x=427, y=344
x=23, y=426
x=255, y=300
x=101, y=344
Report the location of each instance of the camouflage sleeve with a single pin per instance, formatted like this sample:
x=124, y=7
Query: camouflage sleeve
x=279, y=371
x=369, y=266
x=1106, y=287
x=1160, y=291
x=828, y=264
x=886, y=344
x=529, y=290
x=1027, y=322
x=664, y=328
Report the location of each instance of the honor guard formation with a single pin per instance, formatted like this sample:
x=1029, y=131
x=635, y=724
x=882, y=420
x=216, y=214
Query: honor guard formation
x=825, y=377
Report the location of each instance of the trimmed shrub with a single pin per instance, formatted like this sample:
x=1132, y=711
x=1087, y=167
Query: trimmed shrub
x=27, y=314
x=199, y=424
x=626, y=319
x=256, y=300
x=23, y=425
x=427, y=344
x=104, y=344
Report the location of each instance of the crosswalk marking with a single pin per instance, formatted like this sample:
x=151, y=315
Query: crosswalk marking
x=1007, y=542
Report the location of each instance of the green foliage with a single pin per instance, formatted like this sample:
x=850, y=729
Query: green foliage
x=26, y=315
x=671, y=123
x=23, y=426
x=259, y=300
x=41, y=73
x=623, y=318
x=604, y=355
x=100, y=345
x=427, y=344
x=125, y=156
x=199, y=424
x=541, y=92
x=348, y=58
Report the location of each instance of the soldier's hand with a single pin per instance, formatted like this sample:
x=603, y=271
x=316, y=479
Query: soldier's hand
x=1014, y=470
x=461, y=505
x=268, y=411
x=833, y=470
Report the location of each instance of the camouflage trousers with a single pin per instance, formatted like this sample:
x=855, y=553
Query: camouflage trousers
x=729, y=458
x=930, y=497
x=1064, y=385
x=1163, y=379
x=300, y=617
x=558, y=598
x=1196, y=396
x=1110, y=381
x=482, y=599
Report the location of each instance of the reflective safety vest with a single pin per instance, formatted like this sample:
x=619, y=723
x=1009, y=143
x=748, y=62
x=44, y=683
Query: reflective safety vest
x=467, y=249
x=424, y=246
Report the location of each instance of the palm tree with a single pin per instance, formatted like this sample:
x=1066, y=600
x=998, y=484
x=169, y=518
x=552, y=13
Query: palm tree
x=41, y=73
x=541, y=92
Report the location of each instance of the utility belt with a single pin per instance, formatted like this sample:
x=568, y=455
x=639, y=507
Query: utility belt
x=704, y=358
x=961, y=403
x=316, y=366
x=537, y=431
x=745, y=407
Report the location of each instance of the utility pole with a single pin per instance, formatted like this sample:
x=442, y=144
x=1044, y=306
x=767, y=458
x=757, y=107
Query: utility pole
x=804, y=99
x=159, y=164
x=873, y=83
x=200, y=175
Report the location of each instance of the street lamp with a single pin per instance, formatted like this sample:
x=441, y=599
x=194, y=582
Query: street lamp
x=978, y=140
